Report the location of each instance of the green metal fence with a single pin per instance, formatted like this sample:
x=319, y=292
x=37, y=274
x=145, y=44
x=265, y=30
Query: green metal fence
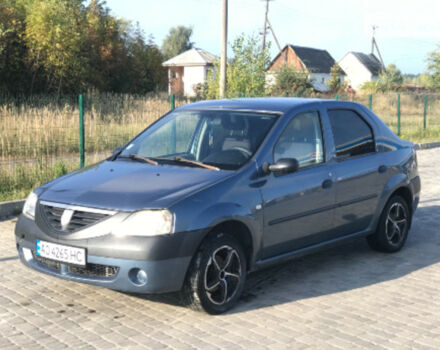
x=44, y=137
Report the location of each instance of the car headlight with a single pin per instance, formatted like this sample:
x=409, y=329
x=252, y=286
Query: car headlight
x=29, y=205
x=146, y=223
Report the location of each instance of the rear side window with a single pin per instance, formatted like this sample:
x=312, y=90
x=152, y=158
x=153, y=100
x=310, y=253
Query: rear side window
x=352, y=135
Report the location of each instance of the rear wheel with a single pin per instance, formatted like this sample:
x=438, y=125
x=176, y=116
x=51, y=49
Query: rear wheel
x=217, y=274
x=393, y=227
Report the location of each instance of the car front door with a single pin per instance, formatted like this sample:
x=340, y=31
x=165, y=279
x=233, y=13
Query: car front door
x=360, y=174
x=298, y=207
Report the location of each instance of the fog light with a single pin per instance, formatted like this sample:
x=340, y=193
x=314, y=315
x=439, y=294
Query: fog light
x=141, y=277
x=138, y=277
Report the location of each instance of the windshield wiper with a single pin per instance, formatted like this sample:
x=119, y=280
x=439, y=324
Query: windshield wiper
x=137, y=157
x=194, y=162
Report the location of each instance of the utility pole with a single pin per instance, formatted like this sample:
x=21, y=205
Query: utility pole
x=263, y=46
x=223, y=58
x=372, y=39
x=374, y=44
x=276, y=41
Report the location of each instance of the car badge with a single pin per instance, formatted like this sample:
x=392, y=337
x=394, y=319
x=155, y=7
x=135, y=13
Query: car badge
x=65, y=218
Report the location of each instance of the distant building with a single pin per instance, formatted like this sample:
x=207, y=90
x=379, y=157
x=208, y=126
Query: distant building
x=360, y=67
x=187, y=70
x=316, y=62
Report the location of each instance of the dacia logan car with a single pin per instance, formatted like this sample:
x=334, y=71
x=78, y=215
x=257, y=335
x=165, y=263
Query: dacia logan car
x=216, y=189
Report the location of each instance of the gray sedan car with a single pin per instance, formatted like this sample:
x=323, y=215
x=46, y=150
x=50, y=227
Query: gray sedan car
x=216, y=189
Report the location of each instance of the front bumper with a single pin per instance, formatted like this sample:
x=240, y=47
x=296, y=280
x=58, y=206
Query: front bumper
x=118, y=259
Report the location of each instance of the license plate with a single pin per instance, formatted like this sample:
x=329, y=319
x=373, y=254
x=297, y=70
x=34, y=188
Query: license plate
x=63, y=253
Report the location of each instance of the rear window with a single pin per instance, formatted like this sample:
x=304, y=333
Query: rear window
x=352, y=135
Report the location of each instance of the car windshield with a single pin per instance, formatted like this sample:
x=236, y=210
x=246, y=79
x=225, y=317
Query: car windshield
x=222, y=139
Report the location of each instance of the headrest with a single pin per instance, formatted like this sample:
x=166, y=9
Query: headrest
x=232, y=122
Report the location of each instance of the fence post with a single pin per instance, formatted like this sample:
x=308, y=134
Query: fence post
x=337, y=97
x=425, y=110
x=173, y=126
x=398, y=114
x=370, y=101
x=172, y=103
x=81, y=131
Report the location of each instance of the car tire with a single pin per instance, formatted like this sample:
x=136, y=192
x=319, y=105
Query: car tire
x=393, y=227
x=216, y=276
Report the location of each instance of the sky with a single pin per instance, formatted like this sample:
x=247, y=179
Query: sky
x=407, y=30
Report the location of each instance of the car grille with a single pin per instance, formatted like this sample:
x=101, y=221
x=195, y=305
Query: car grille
x=51, y=264
x=94, y=270
x=80, y=217
x=90, y=270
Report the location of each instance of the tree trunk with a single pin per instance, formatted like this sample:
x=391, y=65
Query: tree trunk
x=59, y=88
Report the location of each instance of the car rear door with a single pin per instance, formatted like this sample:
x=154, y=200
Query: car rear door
x=360, y=172
x=298, y=207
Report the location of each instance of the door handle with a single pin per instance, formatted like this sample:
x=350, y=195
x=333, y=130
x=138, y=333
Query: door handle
x=326, y=184
x=382, y=169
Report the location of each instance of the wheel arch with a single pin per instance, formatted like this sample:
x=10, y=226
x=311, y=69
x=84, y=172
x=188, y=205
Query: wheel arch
x=240, y=231
x=406, y=194
x=403, y=190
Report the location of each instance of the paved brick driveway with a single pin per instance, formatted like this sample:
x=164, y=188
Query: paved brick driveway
x=345, y=298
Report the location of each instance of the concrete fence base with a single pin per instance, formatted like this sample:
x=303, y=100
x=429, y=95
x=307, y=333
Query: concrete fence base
x=11, y=208
x=427, y=145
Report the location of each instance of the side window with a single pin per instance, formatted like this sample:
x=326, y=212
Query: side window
x=352, y=135
x=302, y=139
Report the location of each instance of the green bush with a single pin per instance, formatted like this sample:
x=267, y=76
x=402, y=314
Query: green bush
x=289, y=81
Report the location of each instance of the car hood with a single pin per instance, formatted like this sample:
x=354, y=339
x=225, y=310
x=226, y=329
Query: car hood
x=129, y=185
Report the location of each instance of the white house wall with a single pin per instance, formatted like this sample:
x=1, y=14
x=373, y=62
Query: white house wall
x=320, y=81
x=357, y=73
x=193, y=75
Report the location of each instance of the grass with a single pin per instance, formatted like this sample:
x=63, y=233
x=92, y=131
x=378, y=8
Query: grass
x=411, y=110
x=39, y=136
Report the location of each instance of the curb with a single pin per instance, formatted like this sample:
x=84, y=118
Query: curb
x=11, y=208
x=419, y=146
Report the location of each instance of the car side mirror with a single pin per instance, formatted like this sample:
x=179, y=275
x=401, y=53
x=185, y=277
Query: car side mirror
x=281, y=166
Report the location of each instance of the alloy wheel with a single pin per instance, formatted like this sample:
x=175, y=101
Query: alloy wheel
x=222, y=275
x=396, y=223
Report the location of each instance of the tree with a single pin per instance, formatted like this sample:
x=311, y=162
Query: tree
x=390, y=79
x=67, y=46
x=146, y=68
x=289, y=81
x=54, y=39
x=371, y=87
x=434, y=69
x=335, y=84
x=107, y=49
x=13, y=68
x=246, y=71
x=177, y=41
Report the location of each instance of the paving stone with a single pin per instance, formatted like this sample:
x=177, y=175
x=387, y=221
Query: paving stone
x=346, y=298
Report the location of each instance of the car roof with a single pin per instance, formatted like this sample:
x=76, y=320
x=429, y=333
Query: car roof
x=261, y=104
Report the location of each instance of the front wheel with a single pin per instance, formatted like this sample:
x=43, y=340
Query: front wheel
x=217, y=274
x=393, y=227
